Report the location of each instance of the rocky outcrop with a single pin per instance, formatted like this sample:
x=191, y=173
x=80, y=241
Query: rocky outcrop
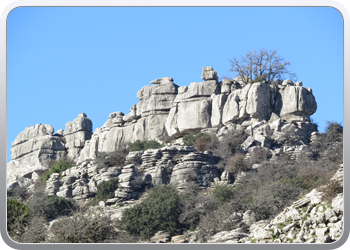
x=309, y=220
x=76, y=134
x=31, y=151
x=196, y=166
x=80, y=182
x=36, y=146
x=165, y=109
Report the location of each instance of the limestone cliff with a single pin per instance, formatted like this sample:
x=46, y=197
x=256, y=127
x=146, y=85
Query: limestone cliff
x=168, y=110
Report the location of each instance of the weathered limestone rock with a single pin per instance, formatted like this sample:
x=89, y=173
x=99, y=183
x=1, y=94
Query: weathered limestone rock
x=218, y=102
x=297, y=103
x=161, y=237
x=36, y=146
x=125, y=189
x=76, y=134
x=165, y=109
x=21, y=174
x=226, y=86
x=31, y=151
x=209, y=74
x=194, y=167
x=201, y=89
x=194, y=115
x=233, y=236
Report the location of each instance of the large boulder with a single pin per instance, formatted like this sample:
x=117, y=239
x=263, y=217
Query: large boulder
x=32, y=151
x=296, y=103
x=76, y=134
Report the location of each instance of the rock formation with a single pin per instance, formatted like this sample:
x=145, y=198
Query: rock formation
x=164, y=109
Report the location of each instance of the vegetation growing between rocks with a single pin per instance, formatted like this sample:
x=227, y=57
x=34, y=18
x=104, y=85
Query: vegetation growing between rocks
x=83, y=228
x=110, y=159
x=158, y=212
x=51, y=206
x=58, y=167
x=265, y=189
x=144, y=145
x=105, y=191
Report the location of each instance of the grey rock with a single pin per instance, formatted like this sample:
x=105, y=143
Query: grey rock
x=209, y=74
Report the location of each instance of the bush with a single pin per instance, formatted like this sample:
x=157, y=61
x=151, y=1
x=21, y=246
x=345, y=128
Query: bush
x=144, y=145
x=261, y=78
x=83, y=228
x=105, y=190
x=110, y=159
x=194, y=204
x=51, y=206
x=158, y=212
x=259, y=155
x=230, y=144
x=190, y=140
x=290, y=137
x=237, y=164
x=334, y=131
x=331, y=190
x=36, y=232
x=223, y=193
x=58, y=167
x=216, y=221
x=17, y=217
x=271, y=198
x=18, y=193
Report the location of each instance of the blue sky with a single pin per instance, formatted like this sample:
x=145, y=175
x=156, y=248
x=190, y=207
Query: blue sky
x=62, y=61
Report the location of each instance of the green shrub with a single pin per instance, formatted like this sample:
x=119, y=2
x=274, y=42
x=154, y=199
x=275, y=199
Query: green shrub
x=17, y=217
x=105, y=190
x=159, y=211
x=261, y=78
x=51, y=206
x=144, y=145
x=271, y=198
x=58, y=167
x=296, y=181
x=223, y=193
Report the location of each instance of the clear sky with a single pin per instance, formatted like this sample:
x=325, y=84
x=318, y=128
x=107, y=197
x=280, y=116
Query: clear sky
x=62, y=61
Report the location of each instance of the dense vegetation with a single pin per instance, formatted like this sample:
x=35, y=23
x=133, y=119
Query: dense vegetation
x=264, y=191
x=105, y=191
x=159, y=211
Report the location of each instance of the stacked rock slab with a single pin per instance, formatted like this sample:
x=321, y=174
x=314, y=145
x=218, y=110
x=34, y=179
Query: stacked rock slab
x=157, y=165
x=197, y=167
x=75, y=135
x=146, y=120
x=165, y=109
x=125, y=189
x=80, y=182
x=31, y=151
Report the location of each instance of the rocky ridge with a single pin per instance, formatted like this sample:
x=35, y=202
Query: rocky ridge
x=166, y=109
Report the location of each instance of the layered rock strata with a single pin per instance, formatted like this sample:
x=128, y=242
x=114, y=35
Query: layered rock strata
x=165, y=109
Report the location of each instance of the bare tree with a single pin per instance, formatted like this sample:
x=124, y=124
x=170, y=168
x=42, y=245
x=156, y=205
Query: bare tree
x=263, y=63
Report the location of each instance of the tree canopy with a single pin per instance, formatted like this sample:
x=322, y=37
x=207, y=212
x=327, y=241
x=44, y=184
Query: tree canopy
x=262, y=64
